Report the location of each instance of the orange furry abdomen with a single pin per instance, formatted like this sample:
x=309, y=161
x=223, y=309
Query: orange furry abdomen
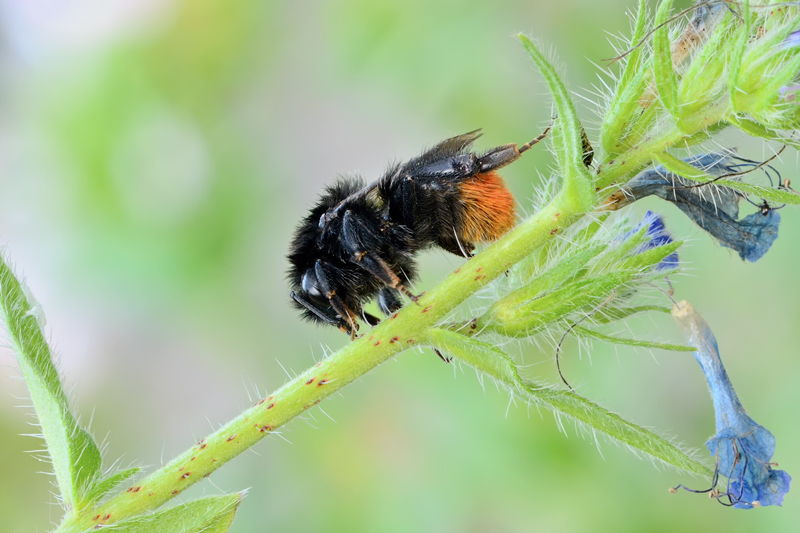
x=489, y=208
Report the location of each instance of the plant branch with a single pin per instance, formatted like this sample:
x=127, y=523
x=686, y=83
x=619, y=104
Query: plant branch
x=393, y=335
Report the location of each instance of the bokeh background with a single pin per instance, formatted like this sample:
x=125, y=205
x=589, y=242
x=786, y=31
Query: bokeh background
x=154, y=157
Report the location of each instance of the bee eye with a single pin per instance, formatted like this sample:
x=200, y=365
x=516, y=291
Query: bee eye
x=309, y=284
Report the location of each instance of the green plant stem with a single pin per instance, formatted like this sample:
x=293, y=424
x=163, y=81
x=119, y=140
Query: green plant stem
x=351, y=362
x=627, y=164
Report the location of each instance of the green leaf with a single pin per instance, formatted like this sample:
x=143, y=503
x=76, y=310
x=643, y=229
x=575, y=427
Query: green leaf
x=737, y=56
x=74, y=453
x=493, y=362
x=632, y=84
x=624, y=111
x=632, y=342
x=768, y=90
x=634, y=58
x=607, y=315
x=207, y=515
x=102, y=487
x=663, y=71
x=531, y=316
x=685, y=170
x=567, y=135
x=706, y=73
x=755, y=129
x=566, y=269
x=650, y=257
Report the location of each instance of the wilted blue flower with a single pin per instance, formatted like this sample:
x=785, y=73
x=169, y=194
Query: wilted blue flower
x=742, y=448
x=713, y=208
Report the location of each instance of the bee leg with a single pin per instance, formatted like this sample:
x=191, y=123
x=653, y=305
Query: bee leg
x=353, y=231
x=442, y=357
x=318, y=312
x=372, y=320
x=378, y=268
x=335, y=300
x=341, y=308
x=389, y=301
x=456, y=247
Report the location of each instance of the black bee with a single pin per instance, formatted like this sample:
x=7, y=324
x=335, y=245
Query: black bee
x=359, y=241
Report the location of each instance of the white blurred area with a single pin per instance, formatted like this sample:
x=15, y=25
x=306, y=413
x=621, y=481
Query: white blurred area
x=39, y=32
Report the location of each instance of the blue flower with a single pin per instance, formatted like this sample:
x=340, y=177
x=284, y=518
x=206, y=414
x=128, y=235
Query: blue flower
x=789, y=92
x=792, y=40
x=713, y=208
x=742, y=448
x=657, y=235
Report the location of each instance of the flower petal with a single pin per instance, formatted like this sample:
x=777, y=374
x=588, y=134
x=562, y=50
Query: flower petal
x=743, y=449
x=713, y=208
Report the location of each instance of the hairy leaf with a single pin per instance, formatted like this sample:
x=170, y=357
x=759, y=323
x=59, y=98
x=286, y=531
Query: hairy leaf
x=207, y=515
x=631, y=342
x=74, y=453
x=493, y=362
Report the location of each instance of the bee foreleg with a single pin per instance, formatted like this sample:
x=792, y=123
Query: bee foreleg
x=340, y=307
x=318, y=312
x=335, y=300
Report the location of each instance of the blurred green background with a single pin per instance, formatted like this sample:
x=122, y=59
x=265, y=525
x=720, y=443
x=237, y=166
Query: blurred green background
x=154, y=158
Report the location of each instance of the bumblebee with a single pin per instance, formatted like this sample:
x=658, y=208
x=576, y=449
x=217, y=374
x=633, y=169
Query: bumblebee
x=359, y=241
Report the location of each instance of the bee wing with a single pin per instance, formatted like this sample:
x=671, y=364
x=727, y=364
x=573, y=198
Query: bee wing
x=455, y=145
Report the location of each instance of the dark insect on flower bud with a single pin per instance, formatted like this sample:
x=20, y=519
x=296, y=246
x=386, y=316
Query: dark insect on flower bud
x=359, y=241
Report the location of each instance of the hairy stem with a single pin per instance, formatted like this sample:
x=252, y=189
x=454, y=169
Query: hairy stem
x=354, y=360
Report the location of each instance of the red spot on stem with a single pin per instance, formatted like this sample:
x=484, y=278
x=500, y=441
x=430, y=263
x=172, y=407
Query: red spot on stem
x=310, y=381
x=231, y=437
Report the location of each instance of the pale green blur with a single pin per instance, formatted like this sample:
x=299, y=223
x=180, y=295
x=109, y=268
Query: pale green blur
x=154, y=159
